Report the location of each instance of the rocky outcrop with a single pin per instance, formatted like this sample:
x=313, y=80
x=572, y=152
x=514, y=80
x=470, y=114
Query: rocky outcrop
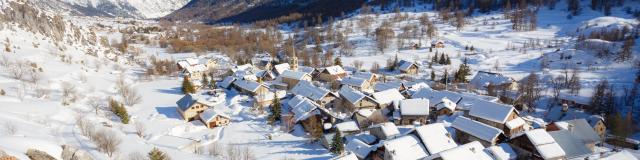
x=73, y=153
x=34, y=154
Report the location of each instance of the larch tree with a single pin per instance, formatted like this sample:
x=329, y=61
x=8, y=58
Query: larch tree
x=187, y=86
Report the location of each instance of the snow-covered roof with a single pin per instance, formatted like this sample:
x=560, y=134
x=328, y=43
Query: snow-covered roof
x=575, y=98
x=406, y=147
x=268, y=96
x=477, y=129
x=188, y=100
x=492, y=111
x=580, y=129
x=352, y=95
x=348, y=126
x=406, y=65
x=435, y=138
x=502, y=151
x=463, y=100
x=244, y=67
x=573, y=147
x=417, y=107
x=483, y=79
x=359, y=148
x=622, y=155
x=353, y=81
x=295, y=75
x=472, y=150
x=302, y=108
x=280, y=68
x=306, y=69
x=305, y=88
x=446, y=103
x=333, y=70
x=388, y=96
x=346, y=156
x=248, y=85
x=514, y=123
x=545, y=144
x=388, y=85
x=365, y=75
x=210, y=114
x=388, y=129
x=362, y=136
x=196, y=68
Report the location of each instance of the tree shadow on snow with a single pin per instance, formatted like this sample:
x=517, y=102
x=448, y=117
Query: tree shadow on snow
x=175, y=90
x=169, y=112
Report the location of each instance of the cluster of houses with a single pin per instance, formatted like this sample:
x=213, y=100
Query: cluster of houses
x=398, y=120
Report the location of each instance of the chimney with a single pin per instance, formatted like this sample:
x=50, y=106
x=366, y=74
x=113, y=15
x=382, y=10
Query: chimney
x=565, y=107
x=570, y=127
x=472, y=149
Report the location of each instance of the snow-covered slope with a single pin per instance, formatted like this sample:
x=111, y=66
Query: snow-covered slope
x=114, y=8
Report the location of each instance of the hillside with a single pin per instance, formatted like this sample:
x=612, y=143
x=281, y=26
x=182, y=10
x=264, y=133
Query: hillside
x=145, y=9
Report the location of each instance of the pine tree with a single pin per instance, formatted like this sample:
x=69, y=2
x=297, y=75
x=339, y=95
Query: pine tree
x=463, y=72
x=442, y=60
x=447, y=60
x=157, y=154
x=187, y=86
x=119, y=110
x=433, y=75
x=435, y=58
x=337, y=146
x=275, y=110
x=205, y=80
x=445, y=77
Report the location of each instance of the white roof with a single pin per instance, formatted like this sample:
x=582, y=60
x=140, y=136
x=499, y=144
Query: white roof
x=333, y=70
x=388, y=85
x=346, y=156
x=502, y=151
x=364, y=75
x=359, y=148
x=210, y=114
x=227, y=82
x=483, y=79
x=302, y=108
x=353, y=81
x=296, y=75
x=622, y=155
x=515, y=123
x=470, y=151
x=305, y=88
x=352, y=95
x=446, y=103
x=492, y=111
x=196, y=68
x=545, y=144
x=435, y=138
x=280, y=68
x=405, y=65
x=248, y=85
x=419, y=107
x=406, y=147
x=463, y=100
x=477, y=129
x=388, y=129
x=347, y=126
x=388, y=96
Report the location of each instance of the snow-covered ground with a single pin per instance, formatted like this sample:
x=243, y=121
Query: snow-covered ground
x=29, y=120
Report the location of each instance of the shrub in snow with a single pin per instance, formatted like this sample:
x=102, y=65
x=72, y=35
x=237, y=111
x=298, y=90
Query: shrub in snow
x=119, y=110
x=157, y=154
x=2, y=92
x=39, y=155
x=107, y=141
x=73, y=153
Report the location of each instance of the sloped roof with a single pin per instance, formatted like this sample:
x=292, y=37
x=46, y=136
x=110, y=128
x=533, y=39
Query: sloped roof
x=305, y=88
x=470, y=151
x=388, y=96
x=302, y=108
x=306, y=69
x=477, y=129
x=492, y=111
x=353, y=81
x=352, y=95
x=406, y=147
x=406, y=65
x=545, y=144
x=280, y=68
x=463, y=101
x=388, y=129
x=572, y=146
x=514, y=123
x=580, y=129
x=365, y=75
x=359, y=148
x=484, y=78
x=388, y=85
x=295, y=75
x=419, y=107
x=210, y=114
x=435, y=138
x=347, y=126
x=227, y=82
x=446, y=103
x=196, y=68
x=333, y=70
x=248, y=85
x=502, y=151
x=188, y=100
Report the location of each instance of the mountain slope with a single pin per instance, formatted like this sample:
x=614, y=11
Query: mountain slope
x=114, y=8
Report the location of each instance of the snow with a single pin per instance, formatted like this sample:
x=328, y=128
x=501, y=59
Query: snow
x=446, y=103
x=622, y=155
x=419, y=107
x=280, y=68
x=334, y=70
x=306, y=89
x=296, y=75
x=502, y=151
x=359, y=148
x=405, y=65
x=545, y=144
x=388, y=96
x=248, y=85
x=348, y=126
x=210, y=114
x=471, y=150
x=492, y=111
x=435, y=138
x=514, y=123
x=353, y=81
x=477, y=129
x=483, y=79
x=406, y=147
x=607, y=23
x=352, y=95
x=388, y=129
x=573, y=147
x=302, y=108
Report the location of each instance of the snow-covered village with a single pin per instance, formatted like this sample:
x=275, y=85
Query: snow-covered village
x=319, y=79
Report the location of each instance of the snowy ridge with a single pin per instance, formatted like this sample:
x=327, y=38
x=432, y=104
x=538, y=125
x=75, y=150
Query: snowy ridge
x=115, y=8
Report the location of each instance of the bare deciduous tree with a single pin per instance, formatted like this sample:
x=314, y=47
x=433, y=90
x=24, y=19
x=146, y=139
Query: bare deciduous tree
x=10, y=128
x=107, y=141
x=215, y=149
x=140, y=129
x=96, y=103
x=130, y=95
x=68, y=93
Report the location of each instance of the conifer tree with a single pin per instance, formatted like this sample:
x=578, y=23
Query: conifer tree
x=337, y=146
x=275, y=110
x=445, y=76
x=187, y=86
x=463, y=72
x=337, y=61
x=157, y=154
x=433, y=75
x=119, y=110
x=435, y=58
x=447, y=60
x=205, y=80
x=442, y=60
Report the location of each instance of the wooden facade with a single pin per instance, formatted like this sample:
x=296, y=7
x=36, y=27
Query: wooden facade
x=192, y=112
